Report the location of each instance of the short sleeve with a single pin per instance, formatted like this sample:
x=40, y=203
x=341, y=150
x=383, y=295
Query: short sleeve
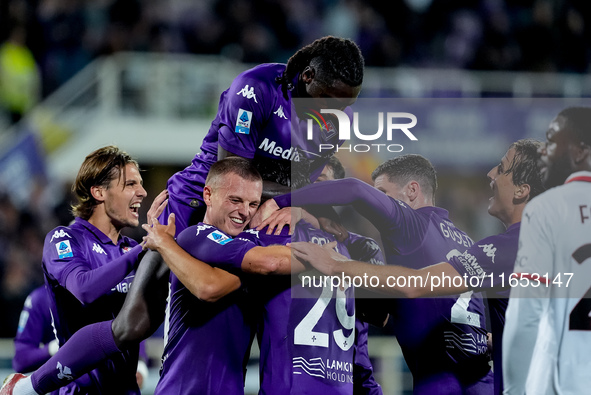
x=214, y=247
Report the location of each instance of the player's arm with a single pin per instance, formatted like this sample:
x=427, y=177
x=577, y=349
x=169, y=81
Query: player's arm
x=271, y=260
x=202, y=280
x=373, y=204
x=418, y=283
x=29, y=350
x=71, y=268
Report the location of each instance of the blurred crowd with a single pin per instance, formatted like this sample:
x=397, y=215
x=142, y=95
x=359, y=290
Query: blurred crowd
x=43, y=43
x=535, y=35
x=23, y=227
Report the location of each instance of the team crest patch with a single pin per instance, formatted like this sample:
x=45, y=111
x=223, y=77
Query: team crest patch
x=243, y=121
x=64, y=250
x=219, y=237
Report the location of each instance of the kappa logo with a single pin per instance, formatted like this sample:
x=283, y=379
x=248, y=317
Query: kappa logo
x=489, y=250
x=252, y=232
x=65, y=373
x=372, y=245
x=98, y=249
x=202, y=227
x=248, y=92
x=280, y=113
x=59, y=234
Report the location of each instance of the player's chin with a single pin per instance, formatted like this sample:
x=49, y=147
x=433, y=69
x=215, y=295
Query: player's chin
x=133, y=222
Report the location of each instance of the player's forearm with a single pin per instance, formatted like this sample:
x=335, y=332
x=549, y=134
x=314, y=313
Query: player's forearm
x=367, y=200
x=205, y=282
x=267, y=260
x=89, y=285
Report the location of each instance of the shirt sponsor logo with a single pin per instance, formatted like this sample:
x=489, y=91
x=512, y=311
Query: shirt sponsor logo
x=219, y=237
x=248, y=92
x=124, y=286
x=272, y=148
x=243, y=121
x=59, y=234
x=489, y=250
x=333, y=370
x=64, y=250
x=280, y=113
x=471, y=264
x=98, y=249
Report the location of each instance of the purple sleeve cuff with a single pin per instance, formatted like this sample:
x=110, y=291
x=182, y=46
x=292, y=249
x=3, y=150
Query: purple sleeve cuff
x=283, y=200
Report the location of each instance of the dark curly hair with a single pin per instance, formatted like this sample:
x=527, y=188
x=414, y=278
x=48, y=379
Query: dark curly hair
x=335, y=59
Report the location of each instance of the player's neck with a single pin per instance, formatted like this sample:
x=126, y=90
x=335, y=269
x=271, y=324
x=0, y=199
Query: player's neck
x=513, y=217
x=421, y=202
x=105, y=225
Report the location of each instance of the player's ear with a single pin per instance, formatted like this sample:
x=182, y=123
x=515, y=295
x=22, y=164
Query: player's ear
x=581, y=152
x=207, y=195
x=413, y=190
x=98, y=193
x=522, y=191
x=308, y=74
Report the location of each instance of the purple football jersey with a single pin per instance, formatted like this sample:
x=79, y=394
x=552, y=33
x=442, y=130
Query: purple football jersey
x=255, y=120
x=317, y=354
x=207, y=344
x=443, y=340
x=34, y=330
x=88, y=277
x=365, y=249
x=492, y=260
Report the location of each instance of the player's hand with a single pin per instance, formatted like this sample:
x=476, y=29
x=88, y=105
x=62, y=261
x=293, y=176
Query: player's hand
x=158, y=234
x=286, y=216
x=322, y=258
x=157, y=206
x=264, y=211
x=334, y=227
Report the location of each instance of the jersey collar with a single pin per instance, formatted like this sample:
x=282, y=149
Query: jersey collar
x=584, y=176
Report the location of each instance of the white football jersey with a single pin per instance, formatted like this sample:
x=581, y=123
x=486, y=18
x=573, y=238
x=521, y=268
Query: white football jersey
x=547, y=337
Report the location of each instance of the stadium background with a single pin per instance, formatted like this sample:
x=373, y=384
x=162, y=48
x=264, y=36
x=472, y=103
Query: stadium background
x=147, y=74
